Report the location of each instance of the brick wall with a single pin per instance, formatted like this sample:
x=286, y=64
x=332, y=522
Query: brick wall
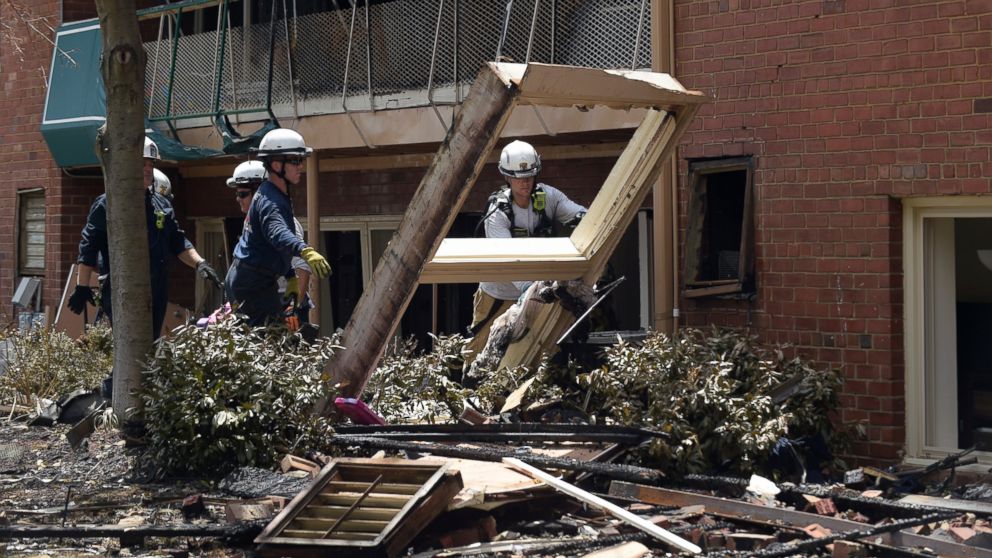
x=847, y=105
x=386, y=191
x=25, y=58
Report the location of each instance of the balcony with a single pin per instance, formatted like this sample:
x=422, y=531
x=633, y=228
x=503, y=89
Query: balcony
x=379, y=56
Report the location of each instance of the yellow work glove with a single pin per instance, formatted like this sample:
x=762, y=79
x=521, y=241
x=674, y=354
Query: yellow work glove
x=293, y=289
x=318, y=265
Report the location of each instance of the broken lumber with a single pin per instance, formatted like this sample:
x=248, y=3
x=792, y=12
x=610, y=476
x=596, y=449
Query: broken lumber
x=632, y=549
x=240, y=532
x=503, y=432
x=624, y=472
x=970, y=506
x=361, y=507
x=734, y=508
x=612, y=509
x=293, y=463
x=812, y=546
x=429, y=215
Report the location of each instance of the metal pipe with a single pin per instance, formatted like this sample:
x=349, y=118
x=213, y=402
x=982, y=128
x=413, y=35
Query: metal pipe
x=313, y=228
x=506, y=28
x=344, y=85
x=158, y=46
x=430, y=75
x=289, y=59
x=533, y=26
x=368, y=57
x=637, y=39
x=219, y=45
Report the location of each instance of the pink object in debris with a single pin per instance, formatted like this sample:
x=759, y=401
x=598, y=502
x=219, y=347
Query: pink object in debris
x=215, y=316
x=358, y=411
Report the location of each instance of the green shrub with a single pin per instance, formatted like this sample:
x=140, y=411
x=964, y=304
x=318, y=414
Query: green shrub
x=47, y=363
x=711, y=394
x=412, y=387
x=229, y=396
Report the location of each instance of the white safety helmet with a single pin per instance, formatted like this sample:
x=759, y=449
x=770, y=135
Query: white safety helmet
x=162, y=183
x=519, y=159
x=282, y=142
x=151, y=150
x=247, y=174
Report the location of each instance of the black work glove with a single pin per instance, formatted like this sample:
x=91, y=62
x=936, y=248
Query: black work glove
x=208, y=273
x=79, y=298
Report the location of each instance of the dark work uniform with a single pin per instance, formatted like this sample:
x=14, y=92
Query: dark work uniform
x=264, y=253
x=165, y=239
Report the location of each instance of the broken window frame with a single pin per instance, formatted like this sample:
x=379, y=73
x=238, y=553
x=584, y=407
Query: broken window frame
x=24, y=260
x=699, y=171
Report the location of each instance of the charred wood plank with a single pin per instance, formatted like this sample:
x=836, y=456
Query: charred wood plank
x=241, y=532
x=623, y=472
x=811, y=546
x=503, y=432
x=662, y=496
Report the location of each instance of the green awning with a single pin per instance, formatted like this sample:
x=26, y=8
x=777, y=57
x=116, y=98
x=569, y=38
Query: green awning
x=75, y=106
x=76, y=103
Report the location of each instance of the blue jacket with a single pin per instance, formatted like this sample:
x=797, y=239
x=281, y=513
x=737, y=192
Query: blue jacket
x=165, y=236
x=268, y=241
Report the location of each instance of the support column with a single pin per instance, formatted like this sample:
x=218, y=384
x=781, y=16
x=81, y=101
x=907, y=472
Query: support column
x=313, y=229
x=665, y=194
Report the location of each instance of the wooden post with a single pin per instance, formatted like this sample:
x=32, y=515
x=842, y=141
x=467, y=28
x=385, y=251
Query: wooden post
x=434, y=207
x=665, y=195
x=313, y=229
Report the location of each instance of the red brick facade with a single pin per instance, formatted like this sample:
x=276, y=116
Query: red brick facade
x=847, y=106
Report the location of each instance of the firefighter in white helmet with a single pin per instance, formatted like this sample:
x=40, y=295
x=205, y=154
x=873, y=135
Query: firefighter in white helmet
x=162, y=184
x=165, y=239
x=268, y=242
x=522, y=208
x=247, y=177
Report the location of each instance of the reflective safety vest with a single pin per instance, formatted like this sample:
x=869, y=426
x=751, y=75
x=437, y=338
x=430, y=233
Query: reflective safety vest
x=501, y=200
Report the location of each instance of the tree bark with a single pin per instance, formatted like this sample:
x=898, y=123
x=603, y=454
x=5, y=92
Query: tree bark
x=119, y=143
x=427, y=220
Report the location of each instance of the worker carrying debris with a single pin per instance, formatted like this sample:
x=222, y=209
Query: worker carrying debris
x=519, y=209
x=165, y=238
x=245, y=180
x=268, y=242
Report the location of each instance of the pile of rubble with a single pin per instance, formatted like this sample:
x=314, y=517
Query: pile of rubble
x=522, y=489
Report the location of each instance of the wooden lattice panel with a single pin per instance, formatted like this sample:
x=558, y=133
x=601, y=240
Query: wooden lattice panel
x=361, y=507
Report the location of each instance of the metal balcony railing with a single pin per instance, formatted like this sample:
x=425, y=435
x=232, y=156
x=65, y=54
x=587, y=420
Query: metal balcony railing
x=380, y=55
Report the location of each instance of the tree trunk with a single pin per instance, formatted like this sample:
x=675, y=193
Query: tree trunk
x=120, y=143
x=427, y=220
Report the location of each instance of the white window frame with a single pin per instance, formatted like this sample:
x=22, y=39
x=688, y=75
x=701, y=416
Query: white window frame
x=915, y=211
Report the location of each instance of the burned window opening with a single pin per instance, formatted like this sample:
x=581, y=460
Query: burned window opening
x=719, y=241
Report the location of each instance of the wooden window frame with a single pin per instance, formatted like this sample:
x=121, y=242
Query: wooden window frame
x=744, y=282
x=22, y=270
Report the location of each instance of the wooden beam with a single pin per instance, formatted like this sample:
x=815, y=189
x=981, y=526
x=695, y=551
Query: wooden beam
x=608, y=507
x=563, y=86
x=665, y=192
x=469, y=260
x=723, y=506
x=429, y=215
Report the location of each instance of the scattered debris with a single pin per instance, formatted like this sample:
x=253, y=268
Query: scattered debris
x=602, y=504
x=363, y=507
